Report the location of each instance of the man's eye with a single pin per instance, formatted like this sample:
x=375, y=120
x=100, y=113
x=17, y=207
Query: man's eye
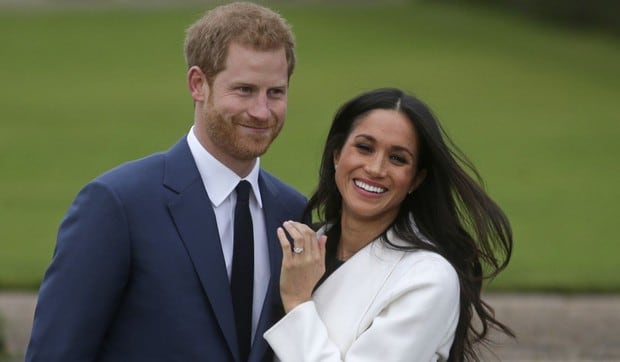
x=245, y=89
x=277, y=93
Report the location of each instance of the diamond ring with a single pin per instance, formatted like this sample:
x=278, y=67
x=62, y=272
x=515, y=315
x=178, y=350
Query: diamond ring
x=298, y=250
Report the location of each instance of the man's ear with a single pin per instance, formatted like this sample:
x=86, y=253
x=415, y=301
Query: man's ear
x=417, y=181
x=197, y=83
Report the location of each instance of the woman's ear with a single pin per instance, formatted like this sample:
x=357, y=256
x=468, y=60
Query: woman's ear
x=336, y=158
x=197, y=83
x=417, y=181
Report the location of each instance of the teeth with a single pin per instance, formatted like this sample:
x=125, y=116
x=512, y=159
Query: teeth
x=369, y=188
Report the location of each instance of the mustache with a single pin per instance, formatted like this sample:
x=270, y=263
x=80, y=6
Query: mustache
x=253, y=122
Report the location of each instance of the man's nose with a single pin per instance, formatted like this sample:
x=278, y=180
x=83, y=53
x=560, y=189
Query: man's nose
x=259, y=108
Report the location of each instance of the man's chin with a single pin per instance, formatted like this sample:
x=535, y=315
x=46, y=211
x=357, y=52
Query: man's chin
x=249, y=154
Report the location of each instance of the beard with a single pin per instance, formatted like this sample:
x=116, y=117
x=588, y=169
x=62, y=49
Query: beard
x=225, y=133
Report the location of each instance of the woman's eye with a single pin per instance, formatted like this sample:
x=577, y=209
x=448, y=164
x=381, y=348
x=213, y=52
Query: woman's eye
x=398, y=159
x=363, y=147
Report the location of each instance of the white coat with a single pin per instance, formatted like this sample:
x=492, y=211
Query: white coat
x=381, y=305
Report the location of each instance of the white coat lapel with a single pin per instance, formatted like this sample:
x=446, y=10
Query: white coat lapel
x=346, y=296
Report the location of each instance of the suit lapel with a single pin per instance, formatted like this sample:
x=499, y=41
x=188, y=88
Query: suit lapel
x=274, y=217
x=194, y=218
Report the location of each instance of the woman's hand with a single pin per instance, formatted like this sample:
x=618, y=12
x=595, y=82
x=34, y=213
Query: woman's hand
x=303, y=263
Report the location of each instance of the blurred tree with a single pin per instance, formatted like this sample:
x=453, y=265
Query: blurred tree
x=593, y=14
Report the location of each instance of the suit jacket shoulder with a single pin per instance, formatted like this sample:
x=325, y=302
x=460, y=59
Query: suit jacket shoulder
x=290, y=201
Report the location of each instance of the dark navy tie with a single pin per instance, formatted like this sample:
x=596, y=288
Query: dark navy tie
x=242, y=278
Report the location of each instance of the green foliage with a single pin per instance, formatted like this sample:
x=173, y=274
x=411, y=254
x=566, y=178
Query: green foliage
x=601, y=15
x=534, y=107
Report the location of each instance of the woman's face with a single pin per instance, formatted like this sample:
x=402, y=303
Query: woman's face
x=377, y=166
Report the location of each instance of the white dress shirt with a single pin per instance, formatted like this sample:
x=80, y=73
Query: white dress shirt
x=220, y=183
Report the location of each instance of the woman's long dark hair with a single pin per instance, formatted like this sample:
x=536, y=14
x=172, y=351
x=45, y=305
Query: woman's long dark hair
x=450, y=208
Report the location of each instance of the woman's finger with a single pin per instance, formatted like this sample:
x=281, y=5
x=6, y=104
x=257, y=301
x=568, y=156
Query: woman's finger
x=299, y=243
x=284, y=243
x=322, y=243
x=311, y=239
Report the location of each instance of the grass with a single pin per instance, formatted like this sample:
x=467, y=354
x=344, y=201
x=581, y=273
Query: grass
x=533, y=106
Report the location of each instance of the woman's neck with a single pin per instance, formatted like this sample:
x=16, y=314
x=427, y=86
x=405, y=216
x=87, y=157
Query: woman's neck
x=356, y=234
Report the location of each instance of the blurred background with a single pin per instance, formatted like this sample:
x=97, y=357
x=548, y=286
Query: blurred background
x=529, y=90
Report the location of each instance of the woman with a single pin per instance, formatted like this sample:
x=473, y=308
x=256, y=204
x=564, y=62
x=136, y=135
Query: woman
x=407, y=238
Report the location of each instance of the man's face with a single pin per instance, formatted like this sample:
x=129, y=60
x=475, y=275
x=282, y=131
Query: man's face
x=246, y=105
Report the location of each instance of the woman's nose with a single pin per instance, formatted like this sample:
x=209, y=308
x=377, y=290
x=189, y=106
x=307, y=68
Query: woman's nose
x=376, y=166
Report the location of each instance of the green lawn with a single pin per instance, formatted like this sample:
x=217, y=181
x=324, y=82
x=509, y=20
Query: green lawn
x=535, y=108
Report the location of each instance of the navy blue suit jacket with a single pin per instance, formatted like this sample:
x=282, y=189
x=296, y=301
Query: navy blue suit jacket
x=138, y=272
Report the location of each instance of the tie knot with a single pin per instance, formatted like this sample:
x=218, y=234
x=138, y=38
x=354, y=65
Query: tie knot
x=243, y=191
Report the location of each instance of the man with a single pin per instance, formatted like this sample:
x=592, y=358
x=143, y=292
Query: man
x=145, y=255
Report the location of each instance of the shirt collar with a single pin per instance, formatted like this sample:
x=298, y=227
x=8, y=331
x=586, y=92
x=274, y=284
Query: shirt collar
x=223, y=180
